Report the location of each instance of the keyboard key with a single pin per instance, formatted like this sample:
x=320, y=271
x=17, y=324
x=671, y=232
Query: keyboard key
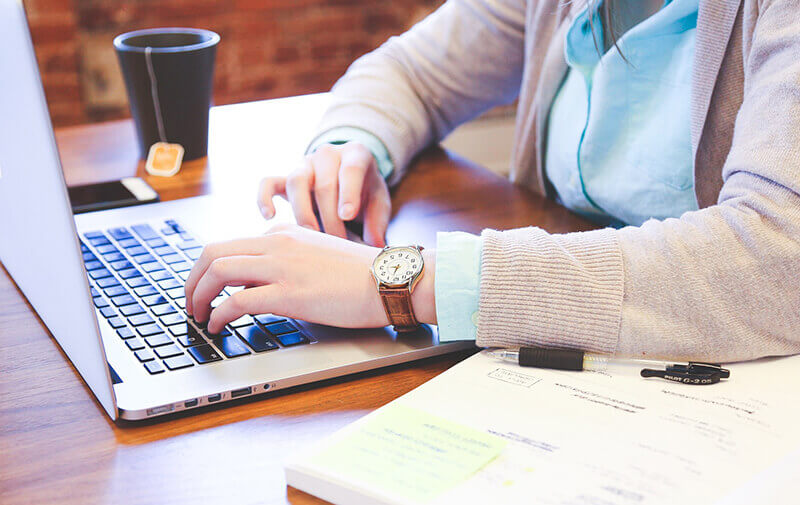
x=154, y=300
x=172, y=258
x=180, y=302
x=145, y=291
x=129, y=273
x=100, y=302
x=107, y=249
x=168, y=231
x=99, y=241
x=204, y=354
x=158, y=340
x=84, y=248
x=162, y=309
x=183, y=266
x=190, y=340
x=188, y=244
x=125, y=333
x=99, y=273
x=107, y=282
x=129, y=242
x=95, y=293
x=145, y=231
x=144, y=258
x=181, y=329
x=156, y=242
x=280, y=328
x=172, y=319
x=119, y=233
x=193, y=253
x=93, y=265
x=289, y=339
x=266, y=319
x=242, y=321
x=141, y=319
x=121, y=300
x=87, y=256
x=256, y=338
x=154, y=367
x=116, y=322
x=137, y=250
x=184, y=275
x=136, y=282
x=133, y=310
x=108, y=312
x=121, y=265
x=169, y=283
x=93, y=234
x=178, y=362
x=115, y=291
x=161, y=275
x=231, y=346
x=168, y=351
x=150, y=329
x=144, y=355
x=113, y=256
x=176, y=293
x=164, y=250
x=151, y=267
x=134, y=344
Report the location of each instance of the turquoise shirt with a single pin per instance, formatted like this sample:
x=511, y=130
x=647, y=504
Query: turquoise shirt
x=618, y=145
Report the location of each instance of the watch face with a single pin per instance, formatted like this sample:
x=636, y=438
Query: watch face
x=398, y=265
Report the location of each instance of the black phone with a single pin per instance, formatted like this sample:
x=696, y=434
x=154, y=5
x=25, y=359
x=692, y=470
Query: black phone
x=111, y=195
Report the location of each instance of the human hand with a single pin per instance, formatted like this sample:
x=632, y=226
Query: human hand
x=298, y=273
x=344, y=183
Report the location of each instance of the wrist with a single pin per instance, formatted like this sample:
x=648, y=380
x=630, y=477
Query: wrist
x=423, y=299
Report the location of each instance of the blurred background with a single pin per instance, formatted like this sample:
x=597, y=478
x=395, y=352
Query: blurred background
x=269, y=49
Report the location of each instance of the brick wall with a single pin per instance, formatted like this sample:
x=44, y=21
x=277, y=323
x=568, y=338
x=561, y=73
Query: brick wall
x=269, y=48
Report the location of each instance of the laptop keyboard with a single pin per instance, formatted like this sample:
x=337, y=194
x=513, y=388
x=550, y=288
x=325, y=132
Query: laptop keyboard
x=137, y=275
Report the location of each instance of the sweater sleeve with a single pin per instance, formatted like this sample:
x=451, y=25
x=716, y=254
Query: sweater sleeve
x=455, y=64
x=718, y=284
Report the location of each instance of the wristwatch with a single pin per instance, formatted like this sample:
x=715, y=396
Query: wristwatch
x=396, y=271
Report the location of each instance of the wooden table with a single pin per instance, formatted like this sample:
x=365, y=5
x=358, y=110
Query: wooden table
x=56, y=443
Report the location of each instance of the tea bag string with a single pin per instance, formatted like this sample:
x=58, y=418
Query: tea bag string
x=154, y=92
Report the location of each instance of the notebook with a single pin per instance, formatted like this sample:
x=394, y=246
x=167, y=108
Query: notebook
x=492, y=432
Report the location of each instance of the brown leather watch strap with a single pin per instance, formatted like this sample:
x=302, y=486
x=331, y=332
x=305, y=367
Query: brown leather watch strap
x=397, y=303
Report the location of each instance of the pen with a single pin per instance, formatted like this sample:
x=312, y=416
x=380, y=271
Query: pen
x=693, y=373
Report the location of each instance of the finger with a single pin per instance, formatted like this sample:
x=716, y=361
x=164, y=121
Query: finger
x=270, y=187
x=258, y=300
x=326, y=194
x=356, y=161
x=298, y=191
x=377, y=213
x=227, y=271
x=246, y=246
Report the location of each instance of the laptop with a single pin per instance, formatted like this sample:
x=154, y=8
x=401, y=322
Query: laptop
x=109, y=285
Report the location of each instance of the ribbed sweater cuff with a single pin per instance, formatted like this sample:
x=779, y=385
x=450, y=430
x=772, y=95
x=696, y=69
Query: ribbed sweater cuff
x=395, y=137
x=550, y=290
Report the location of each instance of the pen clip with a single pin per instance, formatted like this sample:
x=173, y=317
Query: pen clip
x=694, y=374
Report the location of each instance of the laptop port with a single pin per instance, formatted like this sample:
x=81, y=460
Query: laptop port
x=160, y=410
x=215, y=398
x=241, y=392
x=191, y=403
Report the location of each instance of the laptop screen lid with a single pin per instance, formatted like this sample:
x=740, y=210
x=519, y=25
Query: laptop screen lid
x=38, y=241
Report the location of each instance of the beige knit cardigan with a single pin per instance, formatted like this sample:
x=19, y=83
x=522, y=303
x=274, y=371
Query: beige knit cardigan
x=721, y=283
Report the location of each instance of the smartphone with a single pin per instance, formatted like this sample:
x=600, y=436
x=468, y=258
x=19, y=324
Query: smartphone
x=110, y=195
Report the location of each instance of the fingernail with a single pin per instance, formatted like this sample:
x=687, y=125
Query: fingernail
x=266, y=212
x=346, y=211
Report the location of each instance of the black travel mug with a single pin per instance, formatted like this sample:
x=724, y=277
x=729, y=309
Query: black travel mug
x=169, y=74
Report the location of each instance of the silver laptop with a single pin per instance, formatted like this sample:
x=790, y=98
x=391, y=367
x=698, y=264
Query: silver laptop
x=109, y=284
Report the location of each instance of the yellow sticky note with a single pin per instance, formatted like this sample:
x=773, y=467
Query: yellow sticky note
x=402, y=451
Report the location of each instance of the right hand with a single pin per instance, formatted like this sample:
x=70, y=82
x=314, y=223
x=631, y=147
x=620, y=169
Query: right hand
x=343, y=182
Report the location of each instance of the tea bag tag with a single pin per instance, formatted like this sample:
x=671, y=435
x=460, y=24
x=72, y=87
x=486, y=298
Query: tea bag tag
x=164, y=159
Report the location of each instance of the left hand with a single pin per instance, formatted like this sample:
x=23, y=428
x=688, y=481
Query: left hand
x=299, y=273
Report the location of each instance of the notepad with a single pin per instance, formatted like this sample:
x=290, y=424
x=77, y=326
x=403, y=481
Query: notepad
x=492, y=432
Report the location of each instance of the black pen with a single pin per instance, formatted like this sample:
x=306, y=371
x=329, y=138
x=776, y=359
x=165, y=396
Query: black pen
x=693, y=373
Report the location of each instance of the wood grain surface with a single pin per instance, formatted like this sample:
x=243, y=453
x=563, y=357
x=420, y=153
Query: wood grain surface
x=56, y=443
